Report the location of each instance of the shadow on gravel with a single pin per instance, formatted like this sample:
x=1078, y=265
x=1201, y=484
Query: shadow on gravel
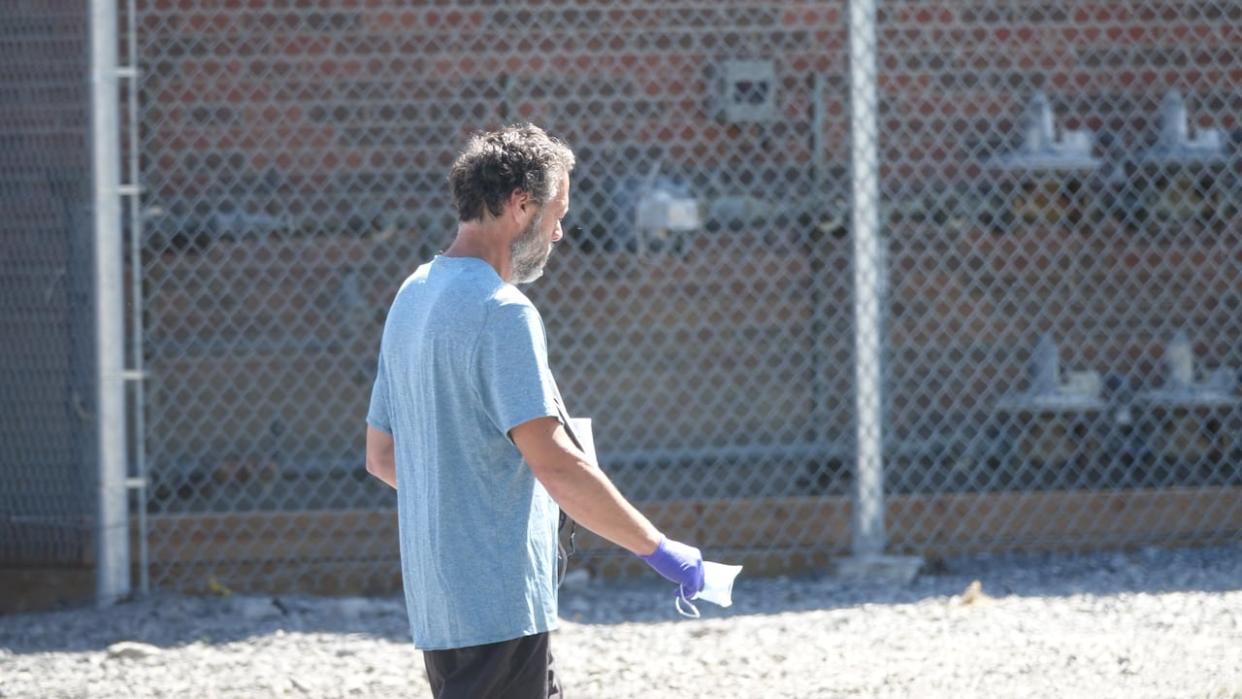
x=168, y=621
x=1147, y=571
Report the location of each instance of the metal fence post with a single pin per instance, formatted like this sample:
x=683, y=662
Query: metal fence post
x=112, y=524
x=868, y=520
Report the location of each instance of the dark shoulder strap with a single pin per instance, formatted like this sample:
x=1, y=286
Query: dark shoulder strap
x=565, y=520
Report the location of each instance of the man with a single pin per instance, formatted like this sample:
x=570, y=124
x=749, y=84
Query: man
x=467, y=423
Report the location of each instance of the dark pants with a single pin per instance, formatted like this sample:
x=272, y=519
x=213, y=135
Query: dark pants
x=517, y=669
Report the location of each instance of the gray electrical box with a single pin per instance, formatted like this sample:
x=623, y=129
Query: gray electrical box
x=748, y=90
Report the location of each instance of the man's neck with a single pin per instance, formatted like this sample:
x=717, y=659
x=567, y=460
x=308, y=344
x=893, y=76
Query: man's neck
x=485, y=243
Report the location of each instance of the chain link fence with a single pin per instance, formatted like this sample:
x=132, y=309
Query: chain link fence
x=1060, y=256
x=46, y=355
x=1060, y=185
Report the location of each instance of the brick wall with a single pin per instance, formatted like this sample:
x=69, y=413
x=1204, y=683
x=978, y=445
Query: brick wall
x=375, y=97
x=339, y=125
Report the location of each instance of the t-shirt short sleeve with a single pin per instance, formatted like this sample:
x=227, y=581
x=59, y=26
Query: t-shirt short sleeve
x=379, y=414
x=514, y=382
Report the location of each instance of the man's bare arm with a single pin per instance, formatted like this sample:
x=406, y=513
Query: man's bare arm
x=381, y=462
x=582, y=490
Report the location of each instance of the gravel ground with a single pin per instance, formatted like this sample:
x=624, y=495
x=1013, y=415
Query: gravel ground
x=1154, y=623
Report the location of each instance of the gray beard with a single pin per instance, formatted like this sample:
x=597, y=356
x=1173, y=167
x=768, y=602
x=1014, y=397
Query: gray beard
x=527, y=254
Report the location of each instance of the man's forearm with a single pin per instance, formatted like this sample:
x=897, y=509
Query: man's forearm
x=583, y=491
x=587, y=495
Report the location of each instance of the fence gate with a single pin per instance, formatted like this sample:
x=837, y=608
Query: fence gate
x=47, y=387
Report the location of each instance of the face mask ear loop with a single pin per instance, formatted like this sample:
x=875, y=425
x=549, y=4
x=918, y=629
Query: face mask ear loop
x=681, y=599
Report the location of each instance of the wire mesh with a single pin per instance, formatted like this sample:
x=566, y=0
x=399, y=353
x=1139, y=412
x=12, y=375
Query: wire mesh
x=1061, y=191
x=1058, y=212
x=46, y=384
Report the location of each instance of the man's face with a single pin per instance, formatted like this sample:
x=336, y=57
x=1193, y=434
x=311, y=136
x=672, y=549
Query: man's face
x=532, y=247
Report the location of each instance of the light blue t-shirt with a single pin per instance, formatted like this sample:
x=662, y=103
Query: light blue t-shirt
x=463, y=361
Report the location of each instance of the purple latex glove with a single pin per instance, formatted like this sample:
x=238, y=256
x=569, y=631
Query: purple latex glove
x=679, y=563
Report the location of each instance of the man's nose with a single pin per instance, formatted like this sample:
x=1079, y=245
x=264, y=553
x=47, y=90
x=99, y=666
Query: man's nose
x=557, y=233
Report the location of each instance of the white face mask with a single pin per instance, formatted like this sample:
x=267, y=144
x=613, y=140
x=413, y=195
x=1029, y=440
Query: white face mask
x=717, y=588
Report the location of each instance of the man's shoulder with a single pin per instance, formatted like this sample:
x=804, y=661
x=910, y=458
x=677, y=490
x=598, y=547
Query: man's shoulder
x=493, y=297
x=453, y=281
x=508, y=295
x=466, y=294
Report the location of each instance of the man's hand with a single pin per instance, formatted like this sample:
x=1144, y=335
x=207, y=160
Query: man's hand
x=679, y=563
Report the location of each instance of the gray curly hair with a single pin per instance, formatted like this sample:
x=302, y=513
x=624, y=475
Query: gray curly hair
x=495, y=164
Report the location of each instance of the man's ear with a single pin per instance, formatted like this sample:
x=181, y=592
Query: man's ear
x=520, y=203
